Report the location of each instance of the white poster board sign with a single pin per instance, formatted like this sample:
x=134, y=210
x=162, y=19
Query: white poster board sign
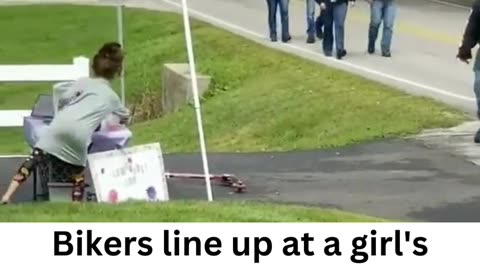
x=131, y=174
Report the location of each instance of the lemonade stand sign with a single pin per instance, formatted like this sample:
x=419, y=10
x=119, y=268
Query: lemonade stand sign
x=131, y=174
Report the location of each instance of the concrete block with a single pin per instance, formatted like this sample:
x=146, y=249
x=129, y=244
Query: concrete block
x=177, y=86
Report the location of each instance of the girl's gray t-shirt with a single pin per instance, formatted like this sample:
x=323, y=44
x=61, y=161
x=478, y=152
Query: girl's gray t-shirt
x=84, y=106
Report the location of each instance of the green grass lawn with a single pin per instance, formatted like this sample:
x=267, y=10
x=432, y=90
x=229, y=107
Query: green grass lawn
x=181, y=211
x=260, y=99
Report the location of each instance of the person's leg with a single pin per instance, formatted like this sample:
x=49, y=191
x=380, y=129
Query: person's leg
x=328, y=30
x=339, y=16
x=375, y=19
x=319, y=24
x=272, y=19
x=476, y=85
x=78, y=179
x=310, y=10
x=476, y=90
x=285, y=20
x=24, y=171
x=389, y=13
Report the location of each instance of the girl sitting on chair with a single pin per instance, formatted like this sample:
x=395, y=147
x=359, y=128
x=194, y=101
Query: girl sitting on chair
x=63, y=148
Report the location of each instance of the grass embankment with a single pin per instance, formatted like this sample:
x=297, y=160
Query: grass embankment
x=263, y=99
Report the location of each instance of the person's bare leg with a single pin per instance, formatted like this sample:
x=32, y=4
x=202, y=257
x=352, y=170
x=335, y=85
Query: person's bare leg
x=12, y=188
x=22, y=175
x=78, y=191
x=16, y=182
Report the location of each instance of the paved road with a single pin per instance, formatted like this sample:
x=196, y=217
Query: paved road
x=398, y=180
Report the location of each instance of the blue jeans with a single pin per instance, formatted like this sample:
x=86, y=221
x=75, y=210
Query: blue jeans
x=314, y=26
x=382, y=10
x=273, y=6
x=310, y=17
x=319, y=23
x=476, y=83
x=335, y=15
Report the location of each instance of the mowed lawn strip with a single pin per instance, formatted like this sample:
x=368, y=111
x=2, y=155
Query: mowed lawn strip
x=179, y=211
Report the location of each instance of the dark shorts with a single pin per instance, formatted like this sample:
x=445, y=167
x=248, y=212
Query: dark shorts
x=51, y=168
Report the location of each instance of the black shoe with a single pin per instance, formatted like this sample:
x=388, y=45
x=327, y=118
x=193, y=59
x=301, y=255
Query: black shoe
x=273, y=38
x=341, y=54
x=371, y=48
x=386, y=54
x=310, y=39
x=328, y=53
x=286, y=39
x=320, y=35
x=476, y=139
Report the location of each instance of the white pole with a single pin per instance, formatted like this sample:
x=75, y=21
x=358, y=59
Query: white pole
x=121, y=41
x=193, y=75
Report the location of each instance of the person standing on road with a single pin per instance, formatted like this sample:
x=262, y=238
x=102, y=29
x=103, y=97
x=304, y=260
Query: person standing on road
x=381, y=11
x=314, y=26
x=471, y=38
x=273, y=6
x=335, y=15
